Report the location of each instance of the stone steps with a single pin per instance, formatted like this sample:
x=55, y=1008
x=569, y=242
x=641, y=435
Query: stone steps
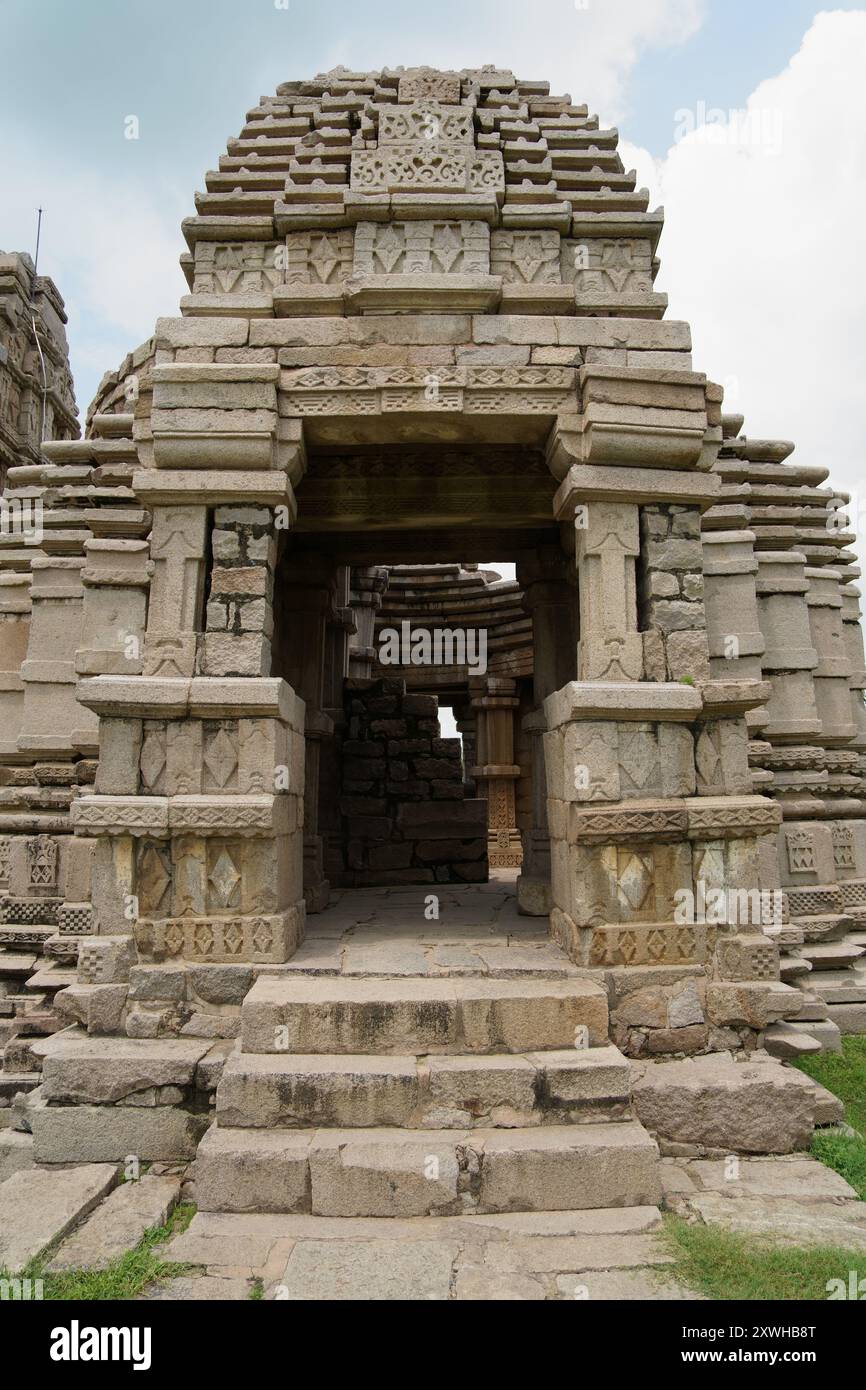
x=834, y=955
x=402, y=1173
x=414, y=1096
x=417, y=1016
x=440, y=1092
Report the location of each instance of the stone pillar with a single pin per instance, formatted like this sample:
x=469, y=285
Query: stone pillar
x=15, y=610
x=367, y=587
x=53, y=724
x=789, y=660
x=177, y=550
x=116, y=577
x=736, y=643
x=852, y=632
x=607, y=546
x=496, y=771
x=198, y=806
x=650, y=803
x=833, y=671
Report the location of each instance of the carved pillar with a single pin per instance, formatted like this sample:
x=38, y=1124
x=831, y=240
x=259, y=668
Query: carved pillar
x=607, y=538
x=198, y=806
x=650, y=804
x=177, y=549
x=496, y=771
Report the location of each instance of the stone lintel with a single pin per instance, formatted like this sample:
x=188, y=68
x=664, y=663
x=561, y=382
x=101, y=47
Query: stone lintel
x=161, y=816
x=594, y=483
x=626, y=700
x=216, y=487
x=199, y=697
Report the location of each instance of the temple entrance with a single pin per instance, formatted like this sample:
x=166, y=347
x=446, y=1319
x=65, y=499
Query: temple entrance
x=418, y=660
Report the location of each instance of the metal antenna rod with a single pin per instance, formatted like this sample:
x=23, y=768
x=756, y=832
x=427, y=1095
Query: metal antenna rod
x=38, y=235
x=36, y=333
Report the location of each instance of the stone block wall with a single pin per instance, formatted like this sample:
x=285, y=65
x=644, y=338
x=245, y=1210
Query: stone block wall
x=404, y=813
x=671, y=594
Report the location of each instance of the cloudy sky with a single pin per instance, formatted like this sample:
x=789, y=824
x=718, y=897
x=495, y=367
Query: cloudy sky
x=746, y=119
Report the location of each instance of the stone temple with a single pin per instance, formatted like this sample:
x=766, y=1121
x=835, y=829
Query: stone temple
x=256, y=908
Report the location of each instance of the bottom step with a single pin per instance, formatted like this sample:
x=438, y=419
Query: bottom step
x=398, y=1172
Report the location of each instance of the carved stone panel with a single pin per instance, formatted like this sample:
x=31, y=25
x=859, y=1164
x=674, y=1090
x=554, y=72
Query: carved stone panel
x=427, y=167
x=430, y=122
x=425, y=84
x=526, y=258
x=247, y=267
x=318, y=258
x=428, y=248
x=42, y=864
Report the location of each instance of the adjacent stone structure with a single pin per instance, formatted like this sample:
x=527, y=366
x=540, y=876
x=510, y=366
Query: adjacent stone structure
x=421, y=331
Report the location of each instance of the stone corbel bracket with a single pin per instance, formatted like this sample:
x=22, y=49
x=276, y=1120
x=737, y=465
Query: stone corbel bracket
x=634, y=418
x=215, y=435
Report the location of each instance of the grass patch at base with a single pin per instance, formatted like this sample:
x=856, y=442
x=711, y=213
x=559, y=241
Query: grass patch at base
x=843, y=1073
x=726, y=1266
x=125, y=1277
x=846, y=1153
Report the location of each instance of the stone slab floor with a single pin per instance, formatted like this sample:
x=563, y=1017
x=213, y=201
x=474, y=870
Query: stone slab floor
x=477, y=930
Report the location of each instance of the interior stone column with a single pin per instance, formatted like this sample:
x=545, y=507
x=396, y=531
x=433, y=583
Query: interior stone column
x=496, y=771
x=367, y=588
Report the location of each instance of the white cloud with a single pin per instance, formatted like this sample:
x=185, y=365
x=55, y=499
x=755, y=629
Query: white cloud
x=761, y=250
x=586, y=47
x=110, y=245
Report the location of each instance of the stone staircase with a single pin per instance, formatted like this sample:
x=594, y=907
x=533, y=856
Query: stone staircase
x=410, y=1096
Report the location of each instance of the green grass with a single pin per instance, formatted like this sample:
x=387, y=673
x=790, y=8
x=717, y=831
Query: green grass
x=725, y=1266
x=125, y=1277
x=846, y=1154
x=845, y=1075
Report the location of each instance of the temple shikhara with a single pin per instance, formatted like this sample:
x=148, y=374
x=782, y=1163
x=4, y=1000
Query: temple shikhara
x=258, y=906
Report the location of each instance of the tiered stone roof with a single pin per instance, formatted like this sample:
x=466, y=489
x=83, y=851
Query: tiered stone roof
x=27, y=298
